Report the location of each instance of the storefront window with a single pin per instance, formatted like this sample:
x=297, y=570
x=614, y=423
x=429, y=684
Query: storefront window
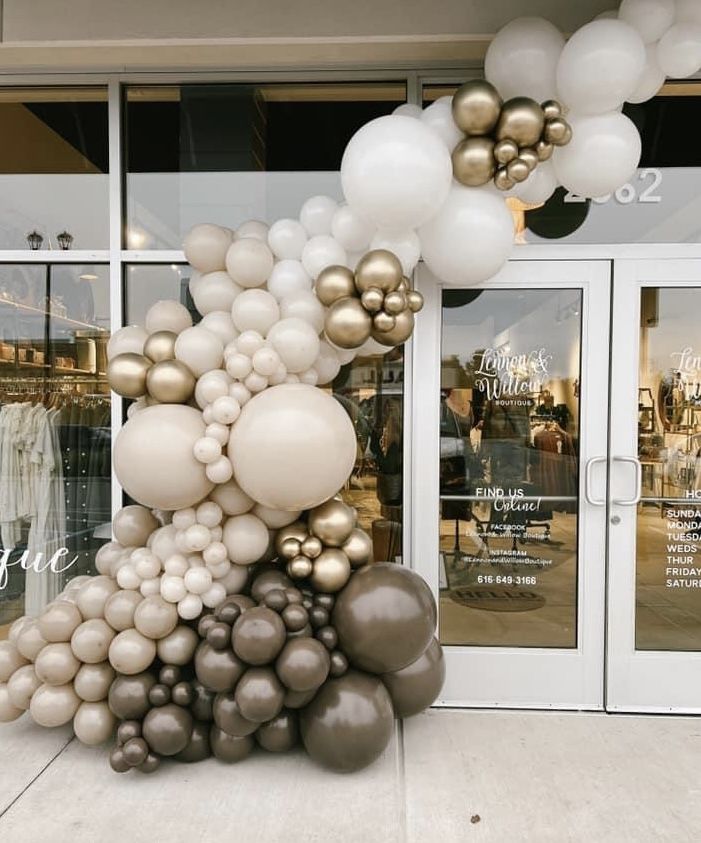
x=55, y=435
x=145, y=284
x=54, y=168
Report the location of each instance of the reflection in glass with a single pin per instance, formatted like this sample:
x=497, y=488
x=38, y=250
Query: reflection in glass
x=55, y=487
x=145, y=284
x=509, y=430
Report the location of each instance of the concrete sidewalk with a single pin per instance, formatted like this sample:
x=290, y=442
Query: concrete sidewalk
x=448, y=776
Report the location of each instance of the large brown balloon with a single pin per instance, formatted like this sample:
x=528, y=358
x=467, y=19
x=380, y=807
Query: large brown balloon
x=170, y=382
x=332, y=522
x=126, y=374
x=168, y=729
x=279, y=734
x=259, y=694
x=401, y=332
x=476, y=107
x=379, y=269
x=522, y=120
x=198, y=747
x=230, y=748
x=128, y=695
x=270, y=580
x=160, y=346
x=217, y=670
x=417, y=686
x=385, y=617
x=349, y=722
x=347, y=323
x=334, y=283
x=303, y=665
x=473, y=161
x=258, y=635
x=227, y=716
x=298, y=699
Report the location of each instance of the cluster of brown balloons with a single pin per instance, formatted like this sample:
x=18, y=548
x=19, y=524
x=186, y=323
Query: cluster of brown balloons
x=155, y=373
x=326, y=548
x=504, y=141
x=374, y=301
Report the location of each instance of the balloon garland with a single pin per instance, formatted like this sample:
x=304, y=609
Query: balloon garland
x=239, y=603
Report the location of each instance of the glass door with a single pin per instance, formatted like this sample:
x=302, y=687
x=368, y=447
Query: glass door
x=508, y=504
x=654, y=626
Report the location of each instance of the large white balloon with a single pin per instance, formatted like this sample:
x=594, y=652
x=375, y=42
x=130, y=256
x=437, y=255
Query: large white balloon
x=296, y=342
x=255, y=310
x=214, y=291
x=404, y=244
x=396, y=172
x=602, y=155
x=288, y=276
x=316, y=215
x=257, y=229
x=219, y=323
x=321, y=251
x=470, y=238
x=286, y=239
x=351, y=231
x=522, y=58
x=293, y=447
x=600, y=66
x=199, y=349
x=439, y=117
x=167, y=315
x=408, y=109
x=205, y=247
x=651, y=18
x=127, y=340
x=679, y=50
x=304, y=305
x=249, y=262
x=539, y=186
x=153, y=457
x=651, y=79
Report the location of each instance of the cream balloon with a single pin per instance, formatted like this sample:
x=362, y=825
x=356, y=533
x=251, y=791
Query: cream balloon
x=92, y=681
x=132, y=525
x=439, y=118
x=651, y=18
x=274, y=519
x=286, y=239
x=327, y=363
x=199, y=349
x=688, y=11
x=408, y=109
x=94, y=723
x=292, y=447
x=178, y=647
x=321, y=251
x=131, y=652
x=129, y=340
x=316, y=215
x=231, y=498
x=288, y=276
x=205, y=247
x=255, y=310
x=257, y=229
x=679, y=50
x=404, y=244
x=246, y=538
x=249, y=262
x=351, y=231
x=219, y=322
x=154, y=461
x=21, y=686
x=296, y=342
x=8, y=710
x=54, y=705
x=210, y=386
x=93, y=595
x=10, y=659
x=163, y=542
x=91, y=641
x=303, y=305
x=167, y=315
x=214, y=291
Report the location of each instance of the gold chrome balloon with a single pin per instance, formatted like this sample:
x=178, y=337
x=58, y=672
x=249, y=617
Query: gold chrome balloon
x=296, y=530
x=551, y=109
x=160, y=346
x=395, y=302
x=502, y=179
x=358, y=548
x=522, y=121
x=557, y=131
x=517, y=170
x=300, y=567
x=383, y=321
x=331, y=572
x=476, y=107
x=332, y=522
x=404, y=285
x=372, y=299
x=312, y=547
x=530, y=156
x=544, y=150
x=400, y=333
x=473, y=161
x=379, y=268
x=289, y=548
x=505, y=150
x=170, y=382
x=347, y=323
x=126, y=374
x=334, y=283
x=414, y=300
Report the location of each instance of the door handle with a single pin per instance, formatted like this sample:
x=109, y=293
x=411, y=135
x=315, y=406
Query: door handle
x=588, y=481
x=634, y=461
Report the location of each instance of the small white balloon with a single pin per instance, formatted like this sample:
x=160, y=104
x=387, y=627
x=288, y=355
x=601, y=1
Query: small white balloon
x=439, y=118
x=198, y=580
x=205, y=246
x=235, y=580
x=197, y=538
x=184, y=518
x=240, y=392
x=249, y=262
x=190, y=607
x=255, y=310
x=651, y=18
x=292, y=379
x=310, y=377
x=255, y=382
x=288, y=276
x=226, y=410
x=128, y=340
x=215, y=554
x=210, y=514
x=150, y=587
x=238, y=365
x=176, y=565
x=321, y=251
x=219, y=322
x=214, y=291
x=217, y=431
x=199, y=349
x=408, y=109
x=162, y=542
x=278, y=376
x=207, y=416
x=147, y=566
x=679, y=50
x=256, y=229
x=219, y=570
x=651, y=79
x=404, y=244
x=345, y=355
x=249, y=342
x=304, y=305
x=210, y=386
x=207, y=449
x=351, y=231
x=167, y=315
x=220, y=471
x=266, y=360
x=296, y=342
x=316, y=215
x=286, y=239
x=128, y=579
x=246, y=538
x=539, y=186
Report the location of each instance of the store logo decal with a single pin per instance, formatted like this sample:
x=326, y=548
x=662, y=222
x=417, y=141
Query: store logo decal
x=37, y=564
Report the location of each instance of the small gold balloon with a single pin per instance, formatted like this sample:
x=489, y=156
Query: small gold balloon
x=557, y=132
x=332, y=522
x=517, y=170
x=300, y=567
x=126, y=374
x=170, y=382
x=334, y=283
x=522, y=121
x=530, y=156
x=551, y=109
x=476, y=107
x=379, y=268
x=395, y=302
x=331, y=572
x=502, y=179
x=400, y=333
x=297, y=530
x=312, y=547
x=544, y=150
x=347, y=323
x=505, y=151
x=404, y=285
x=372, y=299
x=414, y=300
x=358, y=548
x=289, y=548
x=473, y=161
x=160, y=346
x=383, y=321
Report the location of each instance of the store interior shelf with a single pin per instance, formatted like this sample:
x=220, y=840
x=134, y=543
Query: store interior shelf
x=56, y=320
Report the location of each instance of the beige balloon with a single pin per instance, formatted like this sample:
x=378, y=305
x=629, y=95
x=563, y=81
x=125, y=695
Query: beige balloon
x=21, y=685
x=10, y=660
x=160, y=346
x=521, y=120
x=178, y=647
x=347, y=323
x=292, y=532
x=59, y=621
x=8, y=711
x=332, y=522
x=94, y=723
x=93, y=595
x=473, y=161
x=400, y=333
x=358, y=548
x=334, y=283
x=312, y=547
x=155, y=618
x=476, y=106
x=133, y=524
x=54, y=705
x=91, y=641
x=120, y=608
x=331, y=571
x=92, y=681
x=30, y=641
x=379, y=269
x=126, y=374
x=131, y=652
x=56, y=664
x=170, y=382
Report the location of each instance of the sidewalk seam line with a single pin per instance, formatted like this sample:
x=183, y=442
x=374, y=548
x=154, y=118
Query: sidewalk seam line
x=38, y=775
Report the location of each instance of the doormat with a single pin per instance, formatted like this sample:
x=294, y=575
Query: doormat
x=496, y=599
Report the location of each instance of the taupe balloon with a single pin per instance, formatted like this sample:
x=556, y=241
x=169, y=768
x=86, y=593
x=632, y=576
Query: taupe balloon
x=126, y=374
x=303, y=665
x=131, y=652
x=120, y=608
x=269, y=580
x=473, y=161
x=279, y=734
x=295, y=617
x=198, y=747
x=217, y=670
x=476, y=106
x=92, y=681
x=339, y=663
x=160, y=346
x=133, y=524
x=400, y=333
x=21, y=685
x=347, y=323
x=332, y=570
x=179, y=646
x=349, y=722
x=505, y=150
x=383, y=322
x=93, y=723
x=91, y=641
x=10, y=660
x=93, y=595
x=150, y=765
x=414, y=300
x=378, y=269
x=332, y=522
x=228, y=717
x=58, y=622
x=155, y=618
x=385, y=617
x=168, y=729
x=30, y=641
x=334, y=283
x=201, y=707
x=54, y=705
x=517, y=170
x=544, y=150
x=128, y=696
x=135, y=751
x=372, y=299
x=228, y=747
x=117, y=760
x=530, y=156
x=258, y=635
x=551, y=109
x=259, y=694
x=56, y=664
x=170, y=382
x=558, y=132
x=417, y=686
x=298, y=699
x=521, y=120
x=358, y=548
x=502, y=179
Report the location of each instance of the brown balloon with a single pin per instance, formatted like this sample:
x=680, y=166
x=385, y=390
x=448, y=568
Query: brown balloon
x=259, y=694
x=347, y=323
x=126, y=374
x=303, y=665
x=269, y=580
x=298, y=699
x=476, y=106
x=334, y=283
x=473, y=161
x=300, y=567
x=198, y=747
x=168, y=729
x=400, y=333
x=505, y=150
x=160, y=346
x=227, y=716
x=417, y=686
x=522, y=121
x=258, y=635
x=128, y=695
x=170, y=382
x=279, y=734
x=228, y=747
x=379, y=269
x=217, y=670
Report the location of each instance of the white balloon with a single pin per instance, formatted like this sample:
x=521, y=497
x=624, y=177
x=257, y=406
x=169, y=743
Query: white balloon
x=219, y=471
x=293, y=447
x=217, y=431
x=651, y=18
x=522, y=58
x=321, y=251
x=246, y=538
x=316, y=215
x=286, y=239
x=439, y=118
x=225, y=410
x=252, y=228
x=214, y=291
x=303, y=305
x=327, y=363
x=470, y=238
x=199, y=349
x=278, y=376
x=345, y=355
x=190, y=607
x=249, y=262
x=205, y=247
x=162, y=541
x=651, y=79
x=609, y=14
x=296, y=342
x=372, y=348
x=408, y=109
x=219, y=322
x=184, y=518
x=238, y=391
x=238, y=365
x=266, y=361
x=255, y=310
x=539, y=186
x=210, y=514
x=288, y=276
x=600, y=67
x=167, y=315
x=198, y=580
x=679, y=50
x=688, y=11
x=249, y=342
x=404, y=244
x=351, y=231
x=396, y=172
x=206, y=450
x=602, y=155
x=128, y=340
